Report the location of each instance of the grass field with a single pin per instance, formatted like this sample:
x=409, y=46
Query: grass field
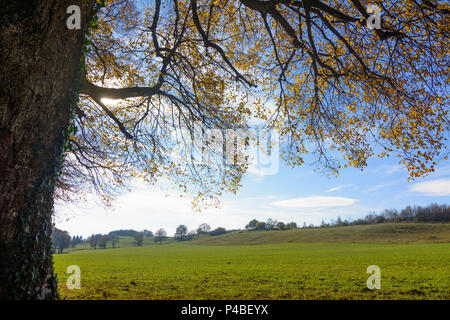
x=299, y=264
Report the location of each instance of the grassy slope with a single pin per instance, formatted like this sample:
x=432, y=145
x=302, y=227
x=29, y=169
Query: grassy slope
x=376, y=233
x=331, y=268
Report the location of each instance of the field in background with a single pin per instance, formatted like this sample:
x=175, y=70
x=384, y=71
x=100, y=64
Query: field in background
x=326, y=263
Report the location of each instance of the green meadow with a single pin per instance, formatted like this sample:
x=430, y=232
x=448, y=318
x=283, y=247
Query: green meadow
x=319, y=263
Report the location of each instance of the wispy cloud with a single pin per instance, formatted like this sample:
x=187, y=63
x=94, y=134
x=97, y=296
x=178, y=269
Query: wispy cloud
x=380, y=186
x=434, y=188
x=339, y=187
x=395, y=168
x=315, y=201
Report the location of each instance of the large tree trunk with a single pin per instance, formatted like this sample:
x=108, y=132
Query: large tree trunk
x=39, y=76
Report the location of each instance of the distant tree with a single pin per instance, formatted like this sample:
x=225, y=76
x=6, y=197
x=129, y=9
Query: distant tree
x=218, y=231
x=291, y=225
x=103, y=241
x=203, y=228
x=391, y=214
x=407, y=213
x=115, y=240
x=160, y=235
x=377, y=219
x=181, y=233
x=252, y=224
x=370, y=217
x=271, y=224
x=358, y=222
x=147, y=233
x=323, y=224
x=61, y=240
x=261, y=226
x=76, y=240
x=94, y=240
x=304, y=224
x=139, y=239
x=281, y=225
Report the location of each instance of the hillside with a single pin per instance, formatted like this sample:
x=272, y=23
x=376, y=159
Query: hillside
x=374, y=233
x=316, y=263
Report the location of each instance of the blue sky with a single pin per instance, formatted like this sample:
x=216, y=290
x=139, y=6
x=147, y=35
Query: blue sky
x=288, y=195
x=292, y=194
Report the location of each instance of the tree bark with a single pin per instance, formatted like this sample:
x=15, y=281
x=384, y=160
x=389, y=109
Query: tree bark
x=40, y=72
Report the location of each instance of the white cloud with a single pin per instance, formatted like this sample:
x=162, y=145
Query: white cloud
x=434, y=188
x=394, y=169
x=153, y=208
x=314, y=202
x=339, y=187
x=387, y=169
x=150, y=208
x=380, y=186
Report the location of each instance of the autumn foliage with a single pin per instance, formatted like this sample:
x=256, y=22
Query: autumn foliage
x=335, y=89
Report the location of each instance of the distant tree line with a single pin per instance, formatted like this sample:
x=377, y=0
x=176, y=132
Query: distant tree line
x=431, y=213
x=130, y=233
x=270, y=224
x=183, y=234
x=218, y=231
x=76, y=240
x=98, y=240
x=62, y=240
